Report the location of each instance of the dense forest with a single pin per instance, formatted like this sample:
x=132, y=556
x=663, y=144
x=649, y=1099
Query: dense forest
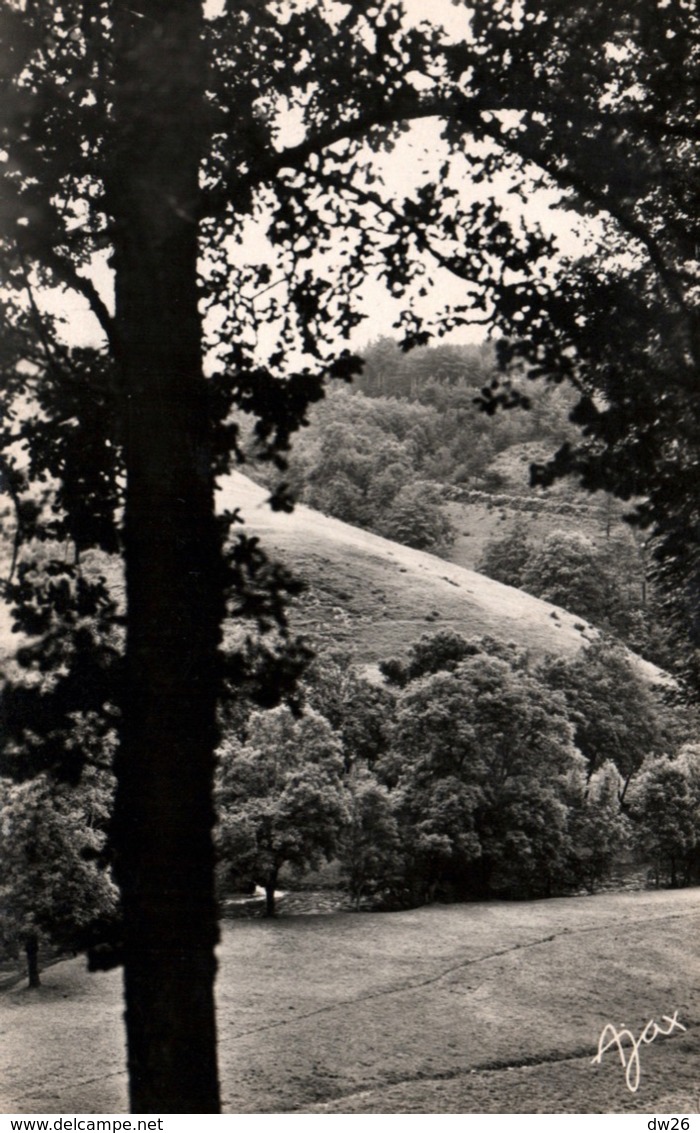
x=409, y=428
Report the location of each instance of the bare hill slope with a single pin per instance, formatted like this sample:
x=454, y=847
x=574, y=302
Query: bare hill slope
x=374, y=597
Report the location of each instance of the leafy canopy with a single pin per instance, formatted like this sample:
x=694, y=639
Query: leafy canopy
x=280, y=796
x=481, y=761
x=588, y=101
x=618, y=718
x=665, y=806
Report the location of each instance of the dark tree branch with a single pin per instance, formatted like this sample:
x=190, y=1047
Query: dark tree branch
x=415, y=106
x=68, y=274
x=567, y=178
x=451, y=263
x=470, y=115
x=39, y=325
x=10, y=487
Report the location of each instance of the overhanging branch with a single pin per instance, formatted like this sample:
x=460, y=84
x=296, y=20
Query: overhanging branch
x=471, y=115
x=68, y=274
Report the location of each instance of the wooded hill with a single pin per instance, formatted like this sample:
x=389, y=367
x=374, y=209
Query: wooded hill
x=407, y=453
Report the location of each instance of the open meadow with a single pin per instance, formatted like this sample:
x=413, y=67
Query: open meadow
x=485, y=1007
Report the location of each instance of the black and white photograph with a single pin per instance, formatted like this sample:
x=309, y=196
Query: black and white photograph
x=349, y=558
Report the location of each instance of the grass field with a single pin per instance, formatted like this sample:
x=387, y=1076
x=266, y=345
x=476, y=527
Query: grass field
x=490, y=1007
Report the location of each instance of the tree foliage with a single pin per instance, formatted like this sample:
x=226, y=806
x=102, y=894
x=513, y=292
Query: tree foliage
x=479, y=761
x=357, y=709
x=665, y=808
x=598, y=828
x=607, y=583
x=416, y=519
x=54, y=884
x=616, y=716
x=513, y=778
x=444, y=651
x=568, y=569
x=280, y=797
x=370, y=846
x=506, y=559
x=361, y=460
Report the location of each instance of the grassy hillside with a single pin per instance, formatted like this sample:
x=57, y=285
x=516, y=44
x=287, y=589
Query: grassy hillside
x=448, y=1009
x=480, y=516
x=374, y=597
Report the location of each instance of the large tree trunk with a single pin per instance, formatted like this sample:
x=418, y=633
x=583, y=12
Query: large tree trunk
x=270, y=885
x=164, y=810
x=31, y=952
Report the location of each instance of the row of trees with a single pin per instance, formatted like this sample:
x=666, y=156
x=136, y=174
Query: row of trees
x=473, y=772
x=470, y=772
x=604, y=581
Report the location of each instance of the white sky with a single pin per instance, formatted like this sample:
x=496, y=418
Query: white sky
x=416, y=153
